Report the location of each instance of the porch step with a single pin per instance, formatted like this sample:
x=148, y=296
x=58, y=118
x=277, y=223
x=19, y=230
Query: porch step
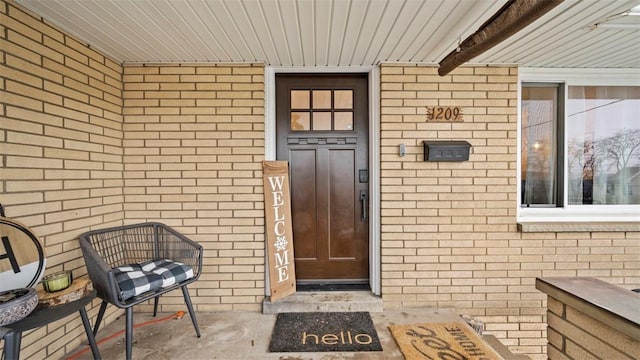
x=503, y=350
x=325, y=301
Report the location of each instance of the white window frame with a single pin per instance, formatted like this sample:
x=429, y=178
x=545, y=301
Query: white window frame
x=573, y=213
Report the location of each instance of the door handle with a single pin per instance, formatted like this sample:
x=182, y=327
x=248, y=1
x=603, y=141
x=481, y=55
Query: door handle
x=364, y=199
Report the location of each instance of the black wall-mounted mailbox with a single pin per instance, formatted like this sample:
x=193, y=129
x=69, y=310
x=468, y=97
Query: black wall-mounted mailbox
x=446, y=150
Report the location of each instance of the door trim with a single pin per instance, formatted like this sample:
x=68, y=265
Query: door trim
x=374, y=150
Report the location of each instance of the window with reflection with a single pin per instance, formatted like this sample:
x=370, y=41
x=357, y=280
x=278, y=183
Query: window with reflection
x=603, y=145
x=539, y=185
x=590, y=142
x=321, y=110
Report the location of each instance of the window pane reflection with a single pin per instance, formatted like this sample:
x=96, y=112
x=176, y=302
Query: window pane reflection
x=538, y=148
x=322, y=99
x=343, y=99
x=300, y=99
x=603, y=150
x=321, y=121
x=300, y=121
x=343, y=120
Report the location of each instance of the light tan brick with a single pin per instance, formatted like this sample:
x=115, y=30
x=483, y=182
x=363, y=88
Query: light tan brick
x=206, y=180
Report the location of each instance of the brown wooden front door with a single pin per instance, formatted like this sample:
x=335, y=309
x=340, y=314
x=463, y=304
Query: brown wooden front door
x=322, y=130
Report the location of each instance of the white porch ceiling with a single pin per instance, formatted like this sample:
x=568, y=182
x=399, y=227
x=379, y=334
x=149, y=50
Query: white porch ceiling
x=339, y=32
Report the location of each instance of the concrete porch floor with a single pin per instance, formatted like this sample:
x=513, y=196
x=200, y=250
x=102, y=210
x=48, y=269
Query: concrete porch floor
x=242, y=335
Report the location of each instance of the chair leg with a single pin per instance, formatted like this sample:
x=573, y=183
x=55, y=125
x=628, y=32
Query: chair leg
x=129, y=331
x=192, y=314
x=103, y=307
x=155, y=305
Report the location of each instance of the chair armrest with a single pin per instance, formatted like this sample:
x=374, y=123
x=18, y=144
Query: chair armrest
x=99, y=271
x=177, y=247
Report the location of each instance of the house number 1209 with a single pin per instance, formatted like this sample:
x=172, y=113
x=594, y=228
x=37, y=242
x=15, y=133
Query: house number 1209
x=444, y=113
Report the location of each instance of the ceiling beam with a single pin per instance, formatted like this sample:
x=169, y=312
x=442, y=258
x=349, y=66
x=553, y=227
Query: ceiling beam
x=511, y=18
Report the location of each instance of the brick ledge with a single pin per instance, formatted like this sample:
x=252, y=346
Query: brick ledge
x=607, y=303
x=577, y=226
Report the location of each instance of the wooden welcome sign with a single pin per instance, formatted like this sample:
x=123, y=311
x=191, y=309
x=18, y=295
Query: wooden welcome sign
x=277, y=209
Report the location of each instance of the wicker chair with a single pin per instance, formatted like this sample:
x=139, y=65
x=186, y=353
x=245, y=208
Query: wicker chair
x=131, y=264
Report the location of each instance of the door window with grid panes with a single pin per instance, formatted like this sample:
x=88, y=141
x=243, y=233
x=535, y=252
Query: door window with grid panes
x=321, y=110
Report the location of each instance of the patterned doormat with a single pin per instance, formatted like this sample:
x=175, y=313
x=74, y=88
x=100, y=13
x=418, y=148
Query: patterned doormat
x=324, y=331
x=450, y=340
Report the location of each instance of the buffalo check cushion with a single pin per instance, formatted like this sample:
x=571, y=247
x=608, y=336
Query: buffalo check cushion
x=136, y=279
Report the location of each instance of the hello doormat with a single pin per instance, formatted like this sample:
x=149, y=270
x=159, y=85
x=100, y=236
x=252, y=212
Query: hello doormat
x=324, y=331
x=451, y=340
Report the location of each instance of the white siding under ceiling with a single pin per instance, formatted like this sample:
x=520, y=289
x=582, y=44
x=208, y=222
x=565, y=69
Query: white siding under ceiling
x=337, y=32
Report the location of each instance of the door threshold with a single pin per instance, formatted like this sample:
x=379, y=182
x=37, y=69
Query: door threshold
x=332, y=287
x=324, y=301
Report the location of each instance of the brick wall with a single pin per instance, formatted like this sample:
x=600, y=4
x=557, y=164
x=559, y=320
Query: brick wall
x=181, y=144
x=574, y=335
x=85, y=142
x=60, y=150
x=194, y=142
x=449, y=235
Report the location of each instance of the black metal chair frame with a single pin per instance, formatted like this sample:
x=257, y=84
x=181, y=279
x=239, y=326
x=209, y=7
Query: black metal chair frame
x=108, y=248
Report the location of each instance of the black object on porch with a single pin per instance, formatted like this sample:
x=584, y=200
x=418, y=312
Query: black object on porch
x=324, y=332
x=41, y=316
x=131, y=264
